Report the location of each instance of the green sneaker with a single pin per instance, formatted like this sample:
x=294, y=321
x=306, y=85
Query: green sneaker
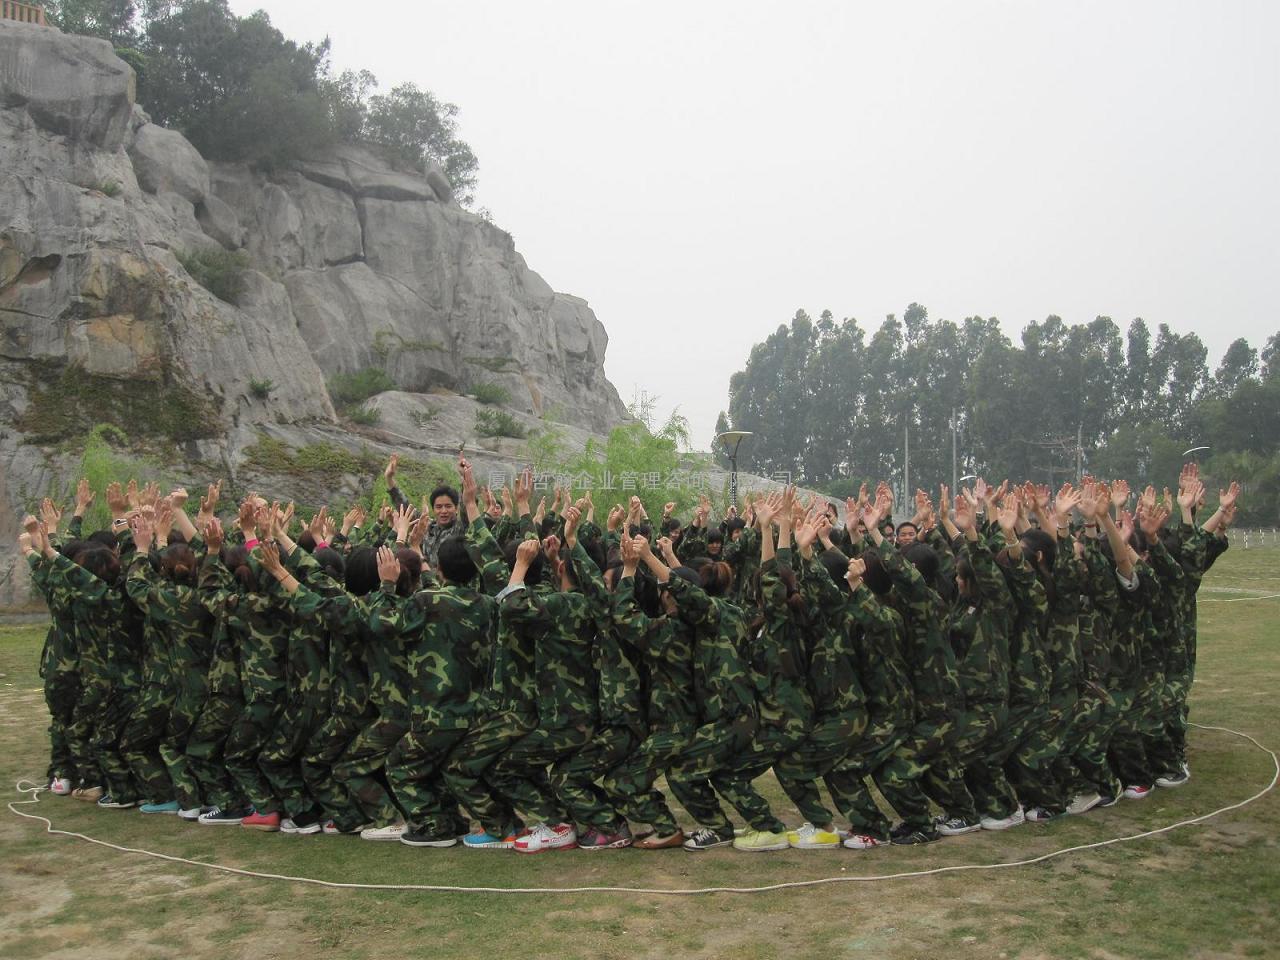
x=761, y=841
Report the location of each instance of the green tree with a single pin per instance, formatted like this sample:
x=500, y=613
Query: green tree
x=111, y=20
x=413, y=125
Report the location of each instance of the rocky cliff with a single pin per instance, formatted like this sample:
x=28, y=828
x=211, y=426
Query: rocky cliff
x=352, y=266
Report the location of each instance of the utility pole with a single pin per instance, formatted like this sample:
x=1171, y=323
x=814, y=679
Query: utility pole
x=906, y=463
x=955, y=473
x=1079, y=452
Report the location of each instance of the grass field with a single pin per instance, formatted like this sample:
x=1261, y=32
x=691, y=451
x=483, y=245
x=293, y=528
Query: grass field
x=1211, y=890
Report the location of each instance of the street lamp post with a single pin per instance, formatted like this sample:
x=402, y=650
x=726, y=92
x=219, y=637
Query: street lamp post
x=1187, y=453
x=732, y=439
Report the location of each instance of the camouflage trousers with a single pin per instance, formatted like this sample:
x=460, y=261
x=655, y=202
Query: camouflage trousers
x=249, y=734
x=847, y=781
x=1040, y=731
x=469, y=764
x=205, y=750
x=140, y=742
x=967, y=780
x=521, y=775
x=118, y=779
x=415, y=772
x=709, y=752
x=829, y=741
x=631, y=782
x=327, y=746
x=191, y=695
x=1140, y=727
x=1168, y=754
x=95, y=690
x=359, y=767
x=281, y=759
x=60, y=670
x=900, y=777
x=1093, y=721
x=580, y=781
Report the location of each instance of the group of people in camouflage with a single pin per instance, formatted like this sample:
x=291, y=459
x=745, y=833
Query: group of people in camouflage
x=1005, y=656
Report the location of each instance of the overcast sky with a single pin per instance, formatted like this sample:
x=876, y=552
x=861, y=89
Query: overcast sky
x=698, y=171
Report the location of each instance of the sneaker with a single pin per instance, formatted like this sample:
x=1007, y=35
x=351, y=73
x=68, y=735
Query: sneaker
x=1109, y=800
x=1015, y=819
x=704, y=838
x=331, y=829
x=1083, y=803
x=421, y=838
x=595, y=839
x=956, y=826
x=1041, y=815
x=60, y=786
x=1136, y=792
x=487, y=841
x=267, y=822
x=392, y=831
x=108, y=802
x=217, y=817
x=169, y=806
x=92, y=794
x=809, y=837
x=193, y=813
x=659, y=841
x=293, y=828
x=908, y=838
x=864, y=841
x=545, y=837
x=762, y=841
x=1176, y=778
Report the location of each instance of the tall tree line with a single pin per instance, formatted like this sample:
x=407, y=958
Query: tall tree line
x=835, y=404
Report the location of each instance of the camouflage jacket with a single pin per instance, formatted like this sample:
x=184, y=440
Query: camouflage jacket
x=779, y=657
x=724, y=689
x=935, y=678
x=1029, y=672
x=667, y=656
x=980, y=630
x=834, y=667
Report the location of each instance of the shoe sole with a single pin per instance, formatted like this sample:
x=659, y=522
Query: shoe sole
x=116, y=806
x=154, y=813
x=709, y=846
x=1141, y=796
x=384, y=839
x=261, y=827
x=958, y=833
x=620, y=845
x=218, y=823
x=429, y=843
x=801, y=845
x=303, y=832
x=567, y=846
x=769, y=849
x=860, y=846
x=996, y=827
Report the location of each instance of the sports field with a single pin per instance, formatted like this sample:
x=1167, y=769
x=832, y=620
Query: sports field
x=1205, y=890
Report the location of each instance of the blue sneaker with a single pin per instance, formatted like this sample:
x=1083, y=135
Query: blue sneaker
x=487, y=841
x=169, y=806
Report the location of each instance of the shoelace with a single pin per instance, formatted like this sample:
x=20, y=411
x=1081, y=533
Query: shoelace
x=705, y=835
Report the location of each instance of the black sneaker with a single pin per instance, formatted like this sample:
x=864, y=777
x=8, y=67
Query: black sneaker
x=904, y=836
x=417, y=837
x=704, y=838
x=1174, y=778
x=217, y=817
x=111, y=803
x=955, y=826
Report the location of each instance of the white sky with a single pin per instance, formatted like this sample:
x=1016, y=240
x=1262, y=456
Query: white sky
x=698, y=171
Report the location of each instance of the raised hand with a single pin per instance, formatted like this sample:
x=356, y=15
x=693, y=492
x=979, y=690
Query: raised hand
x=853, y=575
x=525, y=553
x=964, y=514
x=388, y=565
x=668, y=552
x=572, y=517
x=269, y=557
x=401, y=521
x=84, y=497
x=1227, y=498
x=389, y=474
x=50, y=514
x=1119, y=493
x=131, y=494
x=352, y=518
x=117, y=502
x=616, y=516
x=143, y=532
x=1007, y=518
x=1068, y=499
x=213, y=535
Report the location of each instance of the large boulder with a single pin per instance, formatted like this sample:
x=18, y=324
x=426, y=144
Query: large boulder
x=73, y=86
x=165, y=161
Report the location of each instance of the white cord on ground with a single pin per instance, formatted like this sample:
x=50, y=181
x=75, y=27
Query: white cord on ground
x=35, y=790
x=1270, y=596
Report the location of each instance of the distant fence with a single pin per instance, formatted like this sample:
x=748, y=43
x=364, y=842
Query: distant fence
x=22, y=12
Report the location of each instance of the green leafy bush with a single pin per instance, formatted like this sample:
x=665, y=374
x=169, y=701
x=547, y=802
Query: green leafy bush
x=261, y=388
x=351, y=389
x=491, y=393
x=499, y=423
x=219, y=271
x=365, y=416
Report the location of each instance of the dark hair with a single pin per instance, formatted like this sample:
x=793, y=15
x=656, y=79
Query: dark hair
x=331, y=562
x=923, y=558
x=595, y=550
x=547, y=527
x=714, y=536
x=71, y=547
x=534, y=573
x=795, y=599
x=101, y=562
x=362, y=571
x=716, y=577
x=734, y=523
x=178, y=563
x=455, y=562
x=235, y=557
x=444, y=490
x=103, y=538
x=876, y=577
x=307, y=541
x=908, y=523
x=410, y=571
x=670, y=525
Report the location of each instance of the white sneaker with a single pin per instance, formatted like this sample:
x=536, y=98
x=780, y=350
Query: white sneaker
x=288, y=826
x=546, y=837
x=193, y=813
x=1017, y=818
x=862, y=841
x=393, y=831
x=1136, y=792
x=60, y=786
x=1083, y=803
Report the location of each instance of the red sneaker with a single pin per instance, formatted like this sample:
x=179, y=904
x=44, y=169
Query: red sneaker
x=262, y=821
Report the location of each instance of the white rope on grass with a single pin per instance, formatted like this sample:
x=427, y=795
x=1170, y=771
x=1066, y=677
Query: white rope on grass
x=36, y=789
x=1270, y=596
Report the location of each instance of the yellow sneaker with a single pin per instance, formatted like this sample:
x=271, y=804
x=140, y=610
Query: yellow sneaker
x=809, y=837
x=760, y=841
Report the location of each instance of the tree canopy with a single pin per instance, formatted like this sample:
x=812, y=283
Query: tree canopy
x=834, y=404
x=239, y=90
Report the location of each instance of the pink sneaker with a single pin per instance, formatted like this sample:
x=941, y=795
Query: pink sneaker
x=262, y=821
x=546, y=837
